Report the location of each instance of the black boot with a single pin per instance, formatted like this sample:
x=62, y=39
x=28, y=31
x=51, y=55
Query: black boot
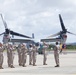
x=57, y=66
x=12, y=66
x=1, y=67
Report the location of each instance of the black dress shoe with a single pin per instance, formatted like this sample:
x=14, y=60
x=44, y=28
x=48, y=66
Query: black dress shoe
x=34, y=65
x=1, y=67
x=57, y=66
x=30, y=64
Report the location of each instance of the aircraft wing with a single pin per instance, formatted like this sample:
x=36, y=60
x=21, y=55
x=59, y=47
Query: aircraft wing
x=2, y=33
x=18, y=34
x=54, y=35
x=21, y=40
x=51, y=40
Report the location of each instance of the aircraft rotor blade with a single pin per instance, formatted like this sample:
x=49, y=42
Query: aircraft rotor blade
x=62, y=24
x=54, y=35
x=1, y=33
x=71, y=33
x=4, y=22
x=18, y=34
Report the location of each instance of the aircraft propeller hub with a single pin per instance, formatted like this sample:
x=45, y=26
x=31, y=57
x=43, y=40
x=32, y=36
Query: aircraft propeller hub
x=7, y=31
x=65, y=36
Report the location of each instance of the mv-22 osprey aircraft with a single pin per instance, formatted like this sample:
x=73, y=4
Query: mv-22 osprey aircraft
x=8, y=32
x=61, y=36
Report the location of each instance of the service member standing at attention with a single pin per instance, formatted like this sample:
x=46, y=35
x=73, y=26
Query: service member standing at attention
x=10, y=55
x=1, y=55
x=24, y=54
x=30, y=54
x=45, y=47
x=56, y=54
x=19, y=55
x=34, y=55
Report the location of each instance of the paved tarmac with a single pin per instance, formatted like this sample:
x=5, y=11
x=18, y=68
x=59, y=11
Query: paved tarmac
x=67, y=66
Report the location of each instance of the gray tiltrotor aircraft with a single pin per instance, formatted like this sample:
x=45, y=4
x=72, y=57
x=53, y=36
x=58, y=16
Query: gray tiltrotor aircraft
x=8, y=32
x=62, y=36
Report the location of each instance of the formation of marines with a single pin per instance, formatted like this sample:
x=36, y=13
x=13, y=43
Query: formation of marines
x=22, y=51
x=22, y=54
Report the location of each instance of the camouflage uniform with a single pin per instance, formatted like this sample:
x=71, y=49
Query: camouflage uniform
x=34, y=54
x=1, y=56
x=45, y=47
x=19, y=55
x=24, y=54
x=56, y=54
x=10, y=55
x=30, y=55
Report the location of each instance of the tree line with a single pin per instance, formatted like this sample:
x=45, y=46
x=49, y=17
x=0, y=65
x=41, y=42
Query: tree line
x=67, y=46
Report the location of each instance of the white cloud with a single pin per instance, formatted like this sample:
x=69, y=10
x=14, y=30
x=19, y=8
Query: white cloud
x=38, y=16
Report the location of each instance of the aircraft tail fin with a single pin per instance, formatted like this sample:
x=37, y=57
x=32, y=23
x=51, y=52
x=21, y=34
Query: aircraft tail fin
x=33, y=35
x=12, y=36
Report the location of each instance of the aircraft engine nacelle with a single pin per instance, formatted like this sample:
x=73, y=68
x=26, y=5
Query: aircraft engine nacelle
x=63, y=40
x=6, y=39
x=64, y=36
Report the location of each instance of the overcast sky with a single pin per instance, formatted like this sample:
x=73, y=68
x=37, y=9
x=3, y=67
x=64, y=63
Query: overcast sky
x=39, y=17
